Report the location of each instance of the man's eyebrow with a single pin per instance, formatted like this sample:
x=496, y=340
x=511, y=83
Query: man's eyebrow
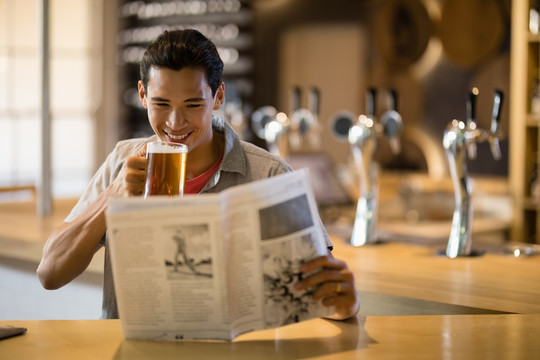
x=160, y=99
x=157, y=98
x=197, y=99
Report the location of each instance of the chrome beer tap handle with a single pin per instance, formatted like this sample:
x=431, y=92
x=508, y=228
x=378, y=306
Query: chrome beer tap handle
x=495, y=131
x=392, y=124
x=296, y=115
x=470, y=136
x=296, y=95
x=313, y=135
x=371, y=102
x=314, y=101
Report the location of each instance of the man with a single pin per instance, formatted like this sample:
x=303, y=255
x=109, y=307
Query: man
x=180, y=87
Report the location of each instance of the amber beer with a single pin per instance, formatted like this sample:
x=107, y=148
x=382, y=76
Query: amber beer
x=165, y=169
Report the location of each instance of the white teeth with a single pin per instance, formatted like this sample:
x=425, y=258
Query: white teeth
x=176, y=137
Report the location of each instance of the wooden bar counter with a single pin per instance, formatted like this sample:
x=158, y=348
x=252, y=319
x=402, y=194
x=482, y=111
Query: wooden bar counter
x=492, y=281
x=510, y=336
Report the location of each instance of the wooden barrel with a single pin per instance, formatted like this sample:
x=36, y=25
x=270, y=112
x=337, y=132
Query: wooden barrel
x=401, y=32
x=472, y=31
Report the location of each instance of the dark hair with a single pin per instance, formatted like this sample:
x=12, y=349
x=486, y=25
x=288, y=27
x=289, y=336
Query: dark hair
x=178, y=49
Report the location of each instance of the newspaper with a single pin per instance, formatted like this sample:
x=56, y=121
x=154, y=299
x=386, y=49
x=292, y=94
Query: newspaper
x=214, y=266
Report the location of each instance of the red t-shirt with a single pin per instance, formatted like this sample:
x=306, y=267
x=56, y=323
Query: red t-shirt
x=195, y=185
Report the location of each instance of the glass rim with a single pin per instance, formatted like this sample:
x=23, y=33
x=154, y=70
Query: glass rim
x=165, y=147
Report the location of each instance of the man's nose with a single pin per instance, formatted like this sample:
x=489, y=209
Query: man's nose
x=175, y=119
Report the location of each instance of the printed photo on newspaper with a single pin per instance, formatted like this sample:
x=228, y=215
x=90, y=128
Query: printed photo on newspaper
x=214, y=266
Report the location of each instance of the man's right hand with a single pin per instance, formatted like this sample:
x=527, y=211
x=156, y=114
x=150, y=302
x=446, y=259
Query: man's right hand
x=130, y=181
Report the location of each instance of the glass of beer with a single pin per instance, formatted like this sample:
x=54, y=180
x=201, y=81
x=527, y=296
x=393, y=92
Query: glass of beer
x=165, y=169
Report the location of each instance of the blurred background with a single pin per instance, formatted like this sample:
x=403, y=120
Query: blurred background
x=431, y=51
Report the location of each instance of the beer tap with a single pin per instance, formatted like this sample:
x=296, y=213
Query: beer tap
x=304, y=126
x=363, y=137
x=362, y=133
x=392, y=124
x=471, y=123
x=460, y=140
x=270, y=125
x=313, y=133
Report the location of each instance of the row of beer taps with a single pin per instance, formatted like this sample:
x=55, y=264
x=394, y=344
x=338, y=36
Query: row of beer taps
x=300, y=128
x=284, y=132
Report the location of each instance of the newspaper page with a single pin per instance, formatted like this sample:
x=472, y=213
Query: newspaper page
x=214, y=266
x=271, y=227
x=166, y=257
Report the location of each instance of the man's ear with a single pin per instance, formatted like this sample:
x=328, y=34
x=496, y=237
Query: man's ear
x=219, y=99
x=142, y=94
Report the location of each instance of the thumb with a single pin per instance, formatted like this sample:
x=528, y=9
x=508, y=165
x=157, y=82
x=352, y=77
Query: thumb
x=141, y=152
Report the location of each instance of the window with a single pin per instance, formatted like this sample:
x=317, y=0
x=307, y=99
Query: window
x=74, y=77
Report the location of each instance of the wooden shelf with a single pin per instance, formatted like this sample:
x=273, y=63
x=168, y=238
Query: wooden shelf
x=525, y=134
x=533, y=120
x=534, y=38
x=530, y=204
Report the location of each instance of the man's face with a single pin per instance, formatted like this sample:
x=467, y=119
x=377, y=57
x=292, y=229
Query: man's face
x=180, y=105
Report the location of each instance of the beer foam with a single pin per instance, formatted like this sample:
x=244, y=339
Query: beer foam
x=166, y=148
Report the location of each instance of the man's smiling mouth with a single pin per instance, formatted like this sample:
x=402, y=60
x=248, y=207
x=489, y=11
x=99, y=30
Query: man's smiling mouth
x=177, y=137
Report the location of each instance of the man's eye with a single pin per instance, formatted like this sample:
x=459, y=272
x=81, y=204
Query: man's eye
x=161, y=104
x=192, y=106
